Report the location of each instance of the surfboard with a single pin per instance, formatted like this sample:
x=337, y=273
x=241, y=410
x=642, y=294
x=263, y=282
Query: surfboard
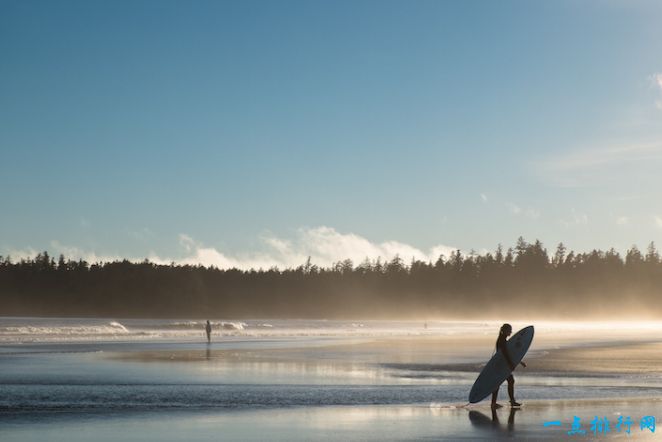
x=497, y=370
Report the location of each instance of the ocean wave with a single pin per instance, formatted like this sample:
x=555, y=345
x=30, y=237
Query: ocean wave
x=82, y=329
x=110, y=328
x=233, y=325
x=119, y=326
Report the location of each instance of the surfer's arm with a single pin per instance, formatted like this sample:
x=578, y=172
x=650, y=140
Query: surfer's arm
x=523, y=364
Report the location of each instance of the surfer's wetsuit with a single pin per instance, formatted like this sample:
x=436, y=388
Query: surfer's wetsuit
x=501, y=345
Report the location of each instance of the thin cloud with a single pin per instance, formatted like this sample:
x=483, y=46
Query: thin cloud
x=142, y=235
x=528, y=212
x=590, y=167
x=656, y=82
x=575, y=219
x=78, y=253
x=658, y=221
x=622, y=220
x=483, y=197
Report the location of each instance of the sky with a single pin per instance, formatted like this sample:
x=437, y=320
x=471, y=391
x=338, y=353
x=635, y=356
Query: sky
x=258, y=133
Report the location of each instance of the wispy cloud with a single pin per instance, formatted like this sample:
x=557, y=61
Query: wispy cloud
x=658, y=221
x=590, y=167
x=69, y=252
x=575, y=219
x=483, y=197
x=528, y=212
x=622, y=220
x=324, y=245
x=656, y=82
x=19, y=254
x=143, y=234
x=73, y=252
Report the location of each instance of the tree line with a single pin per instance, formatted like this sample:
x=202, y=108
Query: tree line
x=518, y=282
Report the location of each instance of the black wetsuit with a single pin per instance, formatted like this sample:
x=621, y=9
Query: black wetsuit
x=501, y=345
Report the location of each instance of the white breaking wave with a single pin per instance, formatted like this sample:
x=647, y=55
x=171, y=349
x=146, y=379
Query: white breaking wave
x=119, y=326
x=72, y=330
x=65, y=332
x=17, y=330
x=233, y=325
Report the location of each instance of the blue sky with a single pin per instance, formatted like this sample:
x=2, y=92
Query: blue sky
x=236, y=133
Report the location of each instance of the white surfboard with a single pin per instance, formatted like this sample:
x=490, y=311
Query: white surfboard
x=497, y=370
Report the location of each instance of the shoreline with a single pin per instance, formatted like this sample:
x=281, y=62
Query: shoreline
x=344, y=387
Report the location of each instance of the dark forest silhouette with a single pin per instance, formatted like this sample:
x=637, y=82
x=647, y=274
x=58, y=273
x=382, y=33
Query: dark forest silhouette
x=524, y=281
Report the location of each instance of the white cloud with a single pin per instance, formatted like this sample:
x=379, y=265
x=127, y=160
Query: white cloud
x=483, y=197
x=528, y=212
x=76, y=253
x=324, y=245
x=19, y=254
x=622, y=220
x=658, y=221
x=657, y=80
x=70, y=252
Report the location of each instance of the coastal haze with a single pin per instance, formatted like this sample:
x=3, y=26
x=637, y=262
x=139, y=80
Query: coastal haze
x=352, y=197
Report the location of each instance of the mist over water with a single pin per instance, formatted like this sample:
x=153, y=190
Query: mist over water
x=36, y=330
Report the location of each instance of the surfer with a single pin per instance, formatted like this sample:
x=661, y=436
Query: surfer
x=501, y=346
x=208, y=330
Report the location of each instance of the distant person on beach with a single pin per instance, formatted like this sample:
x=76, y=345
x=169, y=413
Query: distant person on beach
x=208, y=330
x=501, y=345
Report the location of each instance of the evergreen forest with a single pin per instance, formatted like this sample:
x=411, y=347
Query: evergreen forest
x=518, y=282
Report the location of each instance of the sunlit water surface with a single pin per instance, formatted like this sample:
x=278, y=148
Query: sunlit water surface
x=67, y=372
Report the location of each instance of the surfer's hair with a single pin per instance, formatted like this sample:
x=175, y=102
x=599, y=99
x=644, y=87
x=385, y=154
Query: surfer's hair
x=506, y=327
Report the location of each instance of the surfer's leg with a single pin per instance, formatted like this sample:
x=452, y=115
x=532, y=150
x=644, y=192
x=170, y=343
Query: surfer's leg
x=495, y=393
x=511, y=391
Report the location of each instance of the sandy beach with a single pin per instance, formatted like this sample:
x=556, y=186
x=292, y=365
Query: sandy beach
x=373, y=385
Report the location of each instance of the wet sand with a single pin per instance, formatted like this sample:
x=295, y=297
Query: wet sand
x=551, y=356
x=372, y=389
x=365, y=423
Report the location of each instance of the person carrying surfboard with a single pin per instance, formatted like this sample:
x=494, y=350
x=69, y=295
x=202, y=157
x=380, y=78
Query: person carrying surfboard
x=501, y=345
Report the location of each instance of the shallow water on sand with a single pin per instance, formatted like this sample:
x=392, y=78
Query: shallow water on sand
x=365, y=377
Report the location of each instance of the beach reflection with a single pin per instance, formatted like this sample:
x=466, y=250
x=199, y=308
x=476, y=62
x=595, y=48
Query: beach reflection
x=480, y=421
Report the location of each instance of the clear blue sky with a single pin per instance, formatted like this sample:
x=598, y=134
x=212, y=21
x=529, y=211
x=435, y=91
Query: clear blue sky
x=156, y=128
